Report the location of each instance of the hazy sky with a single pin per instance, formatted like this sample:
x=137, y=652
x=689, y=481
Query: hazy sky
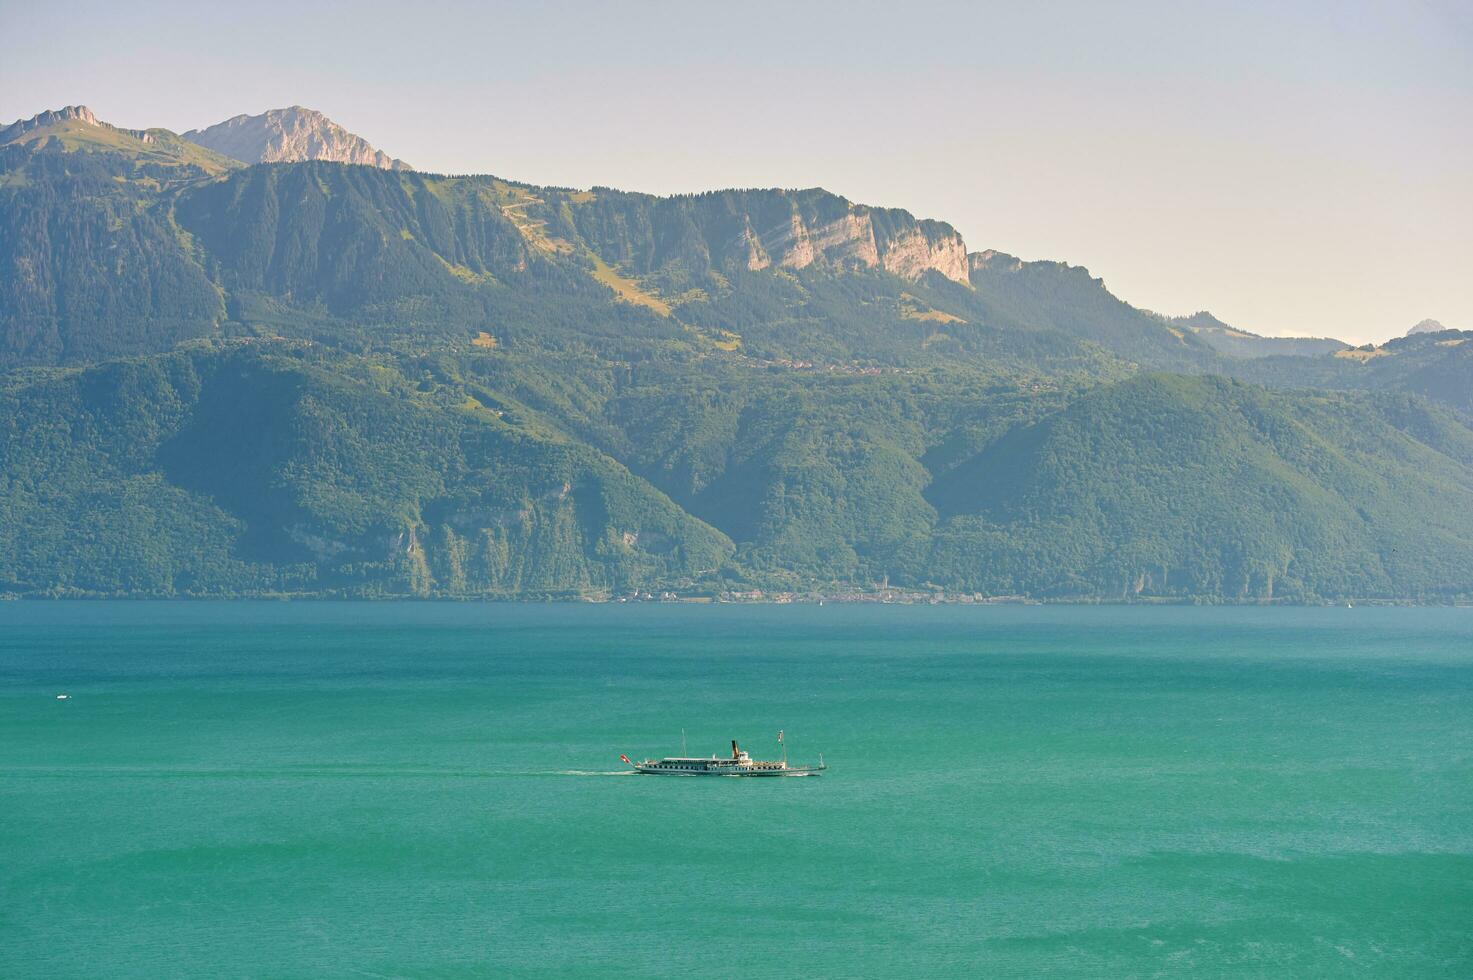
x=1295, y=168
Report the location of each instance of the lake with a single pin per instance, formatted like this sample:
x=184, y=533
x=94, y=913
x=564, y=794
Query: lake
x=418, y=789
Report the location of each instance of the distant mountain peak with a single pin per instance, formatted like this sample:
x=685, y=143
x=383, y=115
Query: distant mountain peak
x=1201, y=320
x=994, y=260
x=55, y=117
x=290, y=135
x=1426, y=326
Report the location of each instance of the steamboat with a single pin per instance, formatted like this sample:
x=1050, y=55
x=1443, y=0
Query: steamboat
x=739, y=763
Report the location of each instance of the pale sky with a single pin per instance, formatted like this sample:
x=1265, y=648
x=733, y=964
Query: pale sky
x=1296, y=168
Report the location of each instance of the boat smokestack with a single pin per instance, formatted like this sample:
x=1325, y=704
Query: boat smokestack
x=734, y=753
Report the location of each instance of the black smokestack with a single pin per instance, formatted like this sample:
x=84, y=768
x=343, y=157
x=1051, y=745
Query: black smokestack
x=733, y=749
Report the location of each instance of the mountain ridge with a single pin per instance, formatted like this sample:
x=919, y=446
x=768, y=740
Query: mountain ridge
x=840, y=233
x=323, y=378
x=1242, y=343
x=77, y=127
x=52, y=117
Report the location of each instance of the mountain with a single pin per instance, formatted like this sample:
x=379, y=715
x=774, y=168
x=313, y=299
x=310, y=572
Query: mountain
x=92, y=263
x=325, y=379
x=1201, y=486
x=248, y=469
x=74, y=117
x=1426, y=326
x=257, y=467
x=76, y=128
x=1240, y=343
x=377, y=256
x=288, y=136
x=1437, y=366
x=1067, y=299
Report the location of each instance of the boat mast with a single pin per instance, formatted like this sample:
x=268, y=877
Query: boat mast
x=683, y=752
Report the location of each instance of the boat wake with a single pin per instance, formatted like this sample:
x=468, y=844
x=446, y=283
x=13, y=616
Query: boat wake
x=298, y=772
x=591, y=772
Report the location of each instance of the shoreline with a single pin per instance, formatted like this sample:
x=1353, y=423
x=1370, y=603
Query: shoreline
x=778, y=599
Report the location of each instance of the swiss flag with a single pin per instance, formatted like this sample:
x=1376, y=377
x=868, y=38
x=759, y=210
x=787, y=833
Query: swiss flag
x=625, y=758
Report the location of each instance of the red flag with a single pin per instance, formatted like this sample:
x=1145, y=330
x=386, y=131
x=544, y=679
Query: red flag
x=625, y=758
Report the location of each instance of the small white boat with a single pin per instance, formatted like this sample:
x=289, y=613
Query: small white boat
x=63, y=697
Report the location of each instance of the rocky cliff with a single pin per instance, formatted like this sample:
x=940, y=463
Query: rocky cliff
x=908, y=251
x=760, y=229
x=288, y=136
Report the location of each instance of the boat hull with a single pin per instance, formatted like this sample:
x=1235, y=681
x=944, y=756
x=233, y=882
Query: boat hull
x=731, y=771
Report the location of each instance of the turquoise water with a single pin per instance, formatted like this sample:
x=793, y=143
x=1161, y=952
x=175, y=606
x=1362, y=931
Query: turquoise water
x=434, y=790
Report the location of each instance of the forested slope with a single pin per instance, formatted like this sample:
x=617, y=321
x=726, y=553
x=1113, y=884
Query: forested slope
x=243, y=470
x=1199, y=486
x=318, y=378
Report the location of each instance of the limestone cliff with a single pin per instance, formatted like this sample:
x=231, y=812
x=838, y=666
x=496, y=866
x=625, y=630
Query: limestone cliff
x=993, y=261
x=760, y=229
x=853, y=239
x=288, y=136
x=915, y=251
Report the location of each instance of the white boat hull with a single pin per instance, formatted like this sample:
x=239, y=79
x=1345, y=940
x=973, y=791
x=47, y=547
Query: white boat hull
x=738, y=763
x=730, y=771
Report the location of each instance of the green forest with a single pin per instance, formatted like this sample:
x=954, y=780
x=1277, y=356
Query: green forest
x=319, y=379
